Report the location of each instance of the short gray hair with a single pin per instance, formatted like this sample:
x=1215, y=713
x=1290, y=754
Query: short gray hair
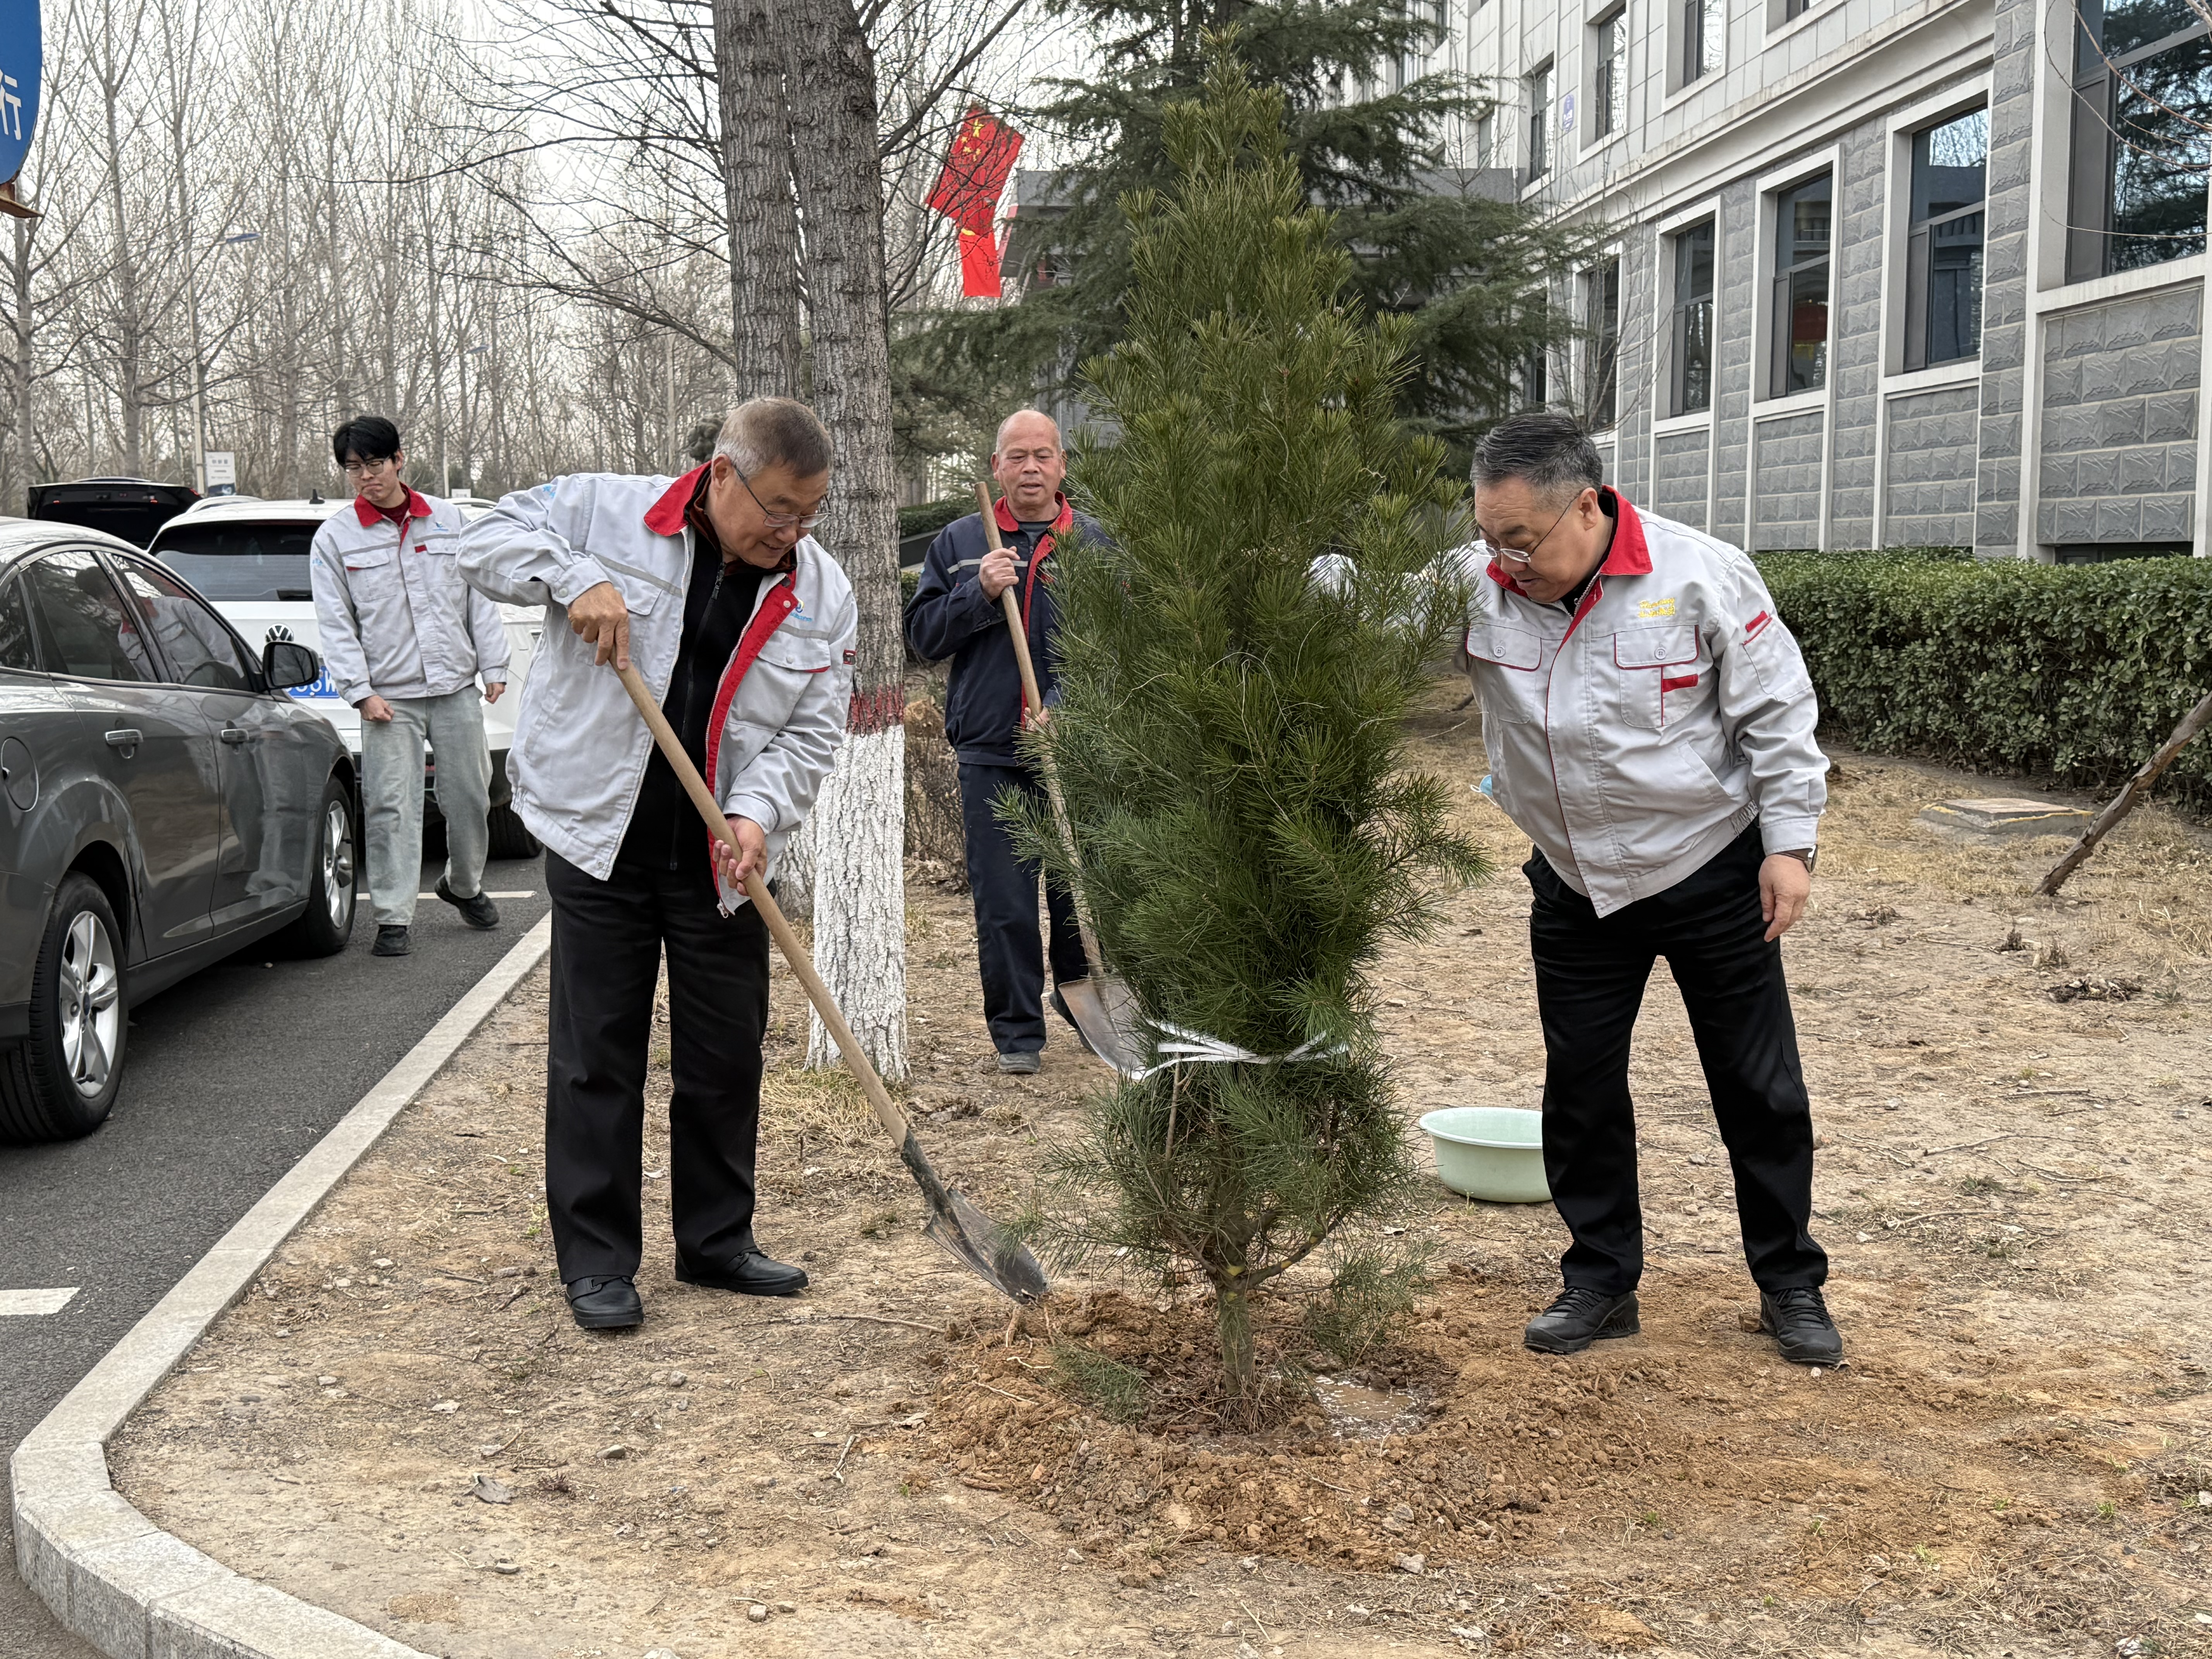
x=1549, y=452
x=765, y=432
x=999, y=442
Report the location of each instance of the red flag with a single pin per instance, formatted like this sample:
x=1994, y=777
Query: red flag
x=979, y=264
x=976, y=171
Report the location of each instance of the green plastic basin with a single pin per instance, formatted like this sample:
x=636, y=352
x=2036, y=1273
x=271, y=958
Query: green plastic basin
x=1495, y=1152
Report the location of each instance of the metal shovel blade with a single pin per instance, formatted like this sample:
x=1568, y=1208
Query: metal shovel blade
x=1106, y=1016
x=996, y=1253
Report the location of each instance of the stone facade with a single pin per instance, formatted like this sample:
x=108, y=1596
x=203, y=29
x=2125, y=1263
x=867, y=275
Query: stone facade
x=1929, y=466
x=2120, y=421
x=2073, y=432
x=1678, y=487
x=1786, y=482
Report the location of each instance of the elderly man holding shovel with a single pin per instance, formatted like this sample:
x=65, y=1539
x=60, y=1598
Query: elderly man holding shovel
x=957, y=612
x=742, y=627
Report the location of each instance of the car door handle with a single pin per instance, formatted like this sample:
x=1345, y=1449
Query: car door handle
x=128, y=737
x=235, y=734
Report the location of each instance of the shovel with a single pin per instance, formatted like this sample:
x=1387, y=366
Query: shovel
x=994, y=1252
x=1105, y=1009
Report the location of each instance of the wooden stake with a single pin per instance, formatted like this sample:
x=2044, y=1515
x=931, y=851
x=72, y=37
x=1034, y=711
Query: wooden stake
x=2126, y=801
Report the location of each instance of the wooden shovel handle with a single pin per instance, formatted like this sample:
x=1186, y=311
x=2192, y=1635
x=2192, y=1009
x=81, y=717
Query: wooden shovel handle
x=856, y=1058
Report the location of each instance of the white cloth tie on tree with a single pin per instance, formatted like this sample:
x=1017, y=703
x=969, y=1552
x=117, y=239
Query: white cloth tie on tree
x=1196, y=1048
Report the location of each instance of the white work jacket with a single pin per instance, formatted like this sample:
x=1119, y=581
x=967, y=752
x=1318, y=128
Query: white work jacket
x=1635, y=739
x=580, y=747
x=395, y=616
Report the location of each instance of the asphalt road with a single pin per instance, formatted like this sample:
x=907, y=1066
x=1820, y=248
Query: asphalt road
x=231, y=1077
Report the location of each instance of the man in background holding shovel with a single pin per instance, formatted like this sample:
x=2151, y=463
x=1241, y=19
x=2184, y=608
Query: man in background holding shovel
x=743, y=627
x=956, y=612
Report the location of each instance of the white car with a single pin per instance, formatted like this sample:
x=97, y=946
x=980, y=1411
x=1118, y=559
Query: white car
x=250, y=557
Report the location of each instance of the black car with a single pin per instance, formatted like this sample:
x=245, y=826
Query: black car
x=133, y=508
x=162, y=804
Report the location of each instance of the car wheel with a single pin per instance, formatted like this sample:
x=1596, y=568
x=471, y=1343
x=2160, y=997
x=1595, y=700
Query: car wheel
x=333, y=880
x=60, y=1082
x=510, y=838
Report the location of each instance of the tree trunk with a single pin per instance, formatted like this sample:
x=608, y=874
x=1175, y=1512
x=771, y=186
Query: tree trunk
x=756, y=162
x=859, y=886
x=1232, y=1320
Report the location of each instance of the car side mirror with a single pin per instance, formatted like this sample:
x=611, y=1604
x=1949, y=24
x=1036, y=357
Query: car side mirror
x=286, y=664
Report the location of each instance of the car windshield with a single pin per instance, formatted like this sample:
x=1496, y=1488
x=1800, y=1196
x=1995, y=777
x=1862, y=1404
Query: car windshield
x=240, y=560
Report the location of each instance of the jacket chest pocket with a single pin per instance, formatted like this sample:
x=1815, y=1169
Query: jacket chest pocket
x=1650, y=665
x=372, y=570
x=1502, y=662
x=779, y=676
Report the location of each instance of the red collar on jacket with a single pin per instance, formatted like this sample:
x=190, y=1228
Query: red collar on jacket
x=1008, y=523
x=1629, y=556
x=370, y=515
x=665, y=516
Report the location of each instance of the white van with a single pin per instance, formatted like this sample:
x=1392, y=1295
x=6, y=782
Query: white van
x=249, y=558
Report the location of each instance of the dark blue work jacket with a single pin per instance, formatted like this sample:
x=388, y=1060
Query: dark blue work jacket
x=949, y=616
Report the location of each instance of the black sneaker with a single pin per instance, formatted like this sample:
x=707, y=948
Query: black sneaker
x=1579, y=1316
x=390, y=942
x=1022, y=1062
x=478, y=912
x=1798, y=1321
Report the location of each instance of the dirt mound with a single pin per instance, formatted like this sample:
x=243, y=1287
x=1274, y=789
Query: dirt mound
x=1459, y=1447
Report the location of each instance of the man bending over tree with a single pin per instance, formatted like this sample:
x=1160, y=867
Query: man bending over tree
x=1650, y=723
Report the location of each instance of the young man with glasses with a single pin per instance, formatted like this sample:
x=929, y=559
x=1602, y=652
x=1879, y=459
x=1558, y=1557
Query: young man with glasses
x=405, y=642
x=958, y=612
x=1649, y=726
x=743, y=626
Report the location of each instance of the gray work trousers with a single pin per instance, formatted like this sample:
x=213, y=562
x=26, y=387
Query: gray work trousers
x=392, y=797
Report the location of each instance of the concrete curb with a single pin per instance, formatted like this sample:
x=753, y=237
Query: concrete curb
x=111, y=1574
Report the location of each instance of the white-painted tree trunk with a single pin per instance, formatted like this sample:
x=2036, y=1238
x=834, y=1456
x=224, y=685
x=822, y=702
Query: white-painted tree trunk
x=860, y=897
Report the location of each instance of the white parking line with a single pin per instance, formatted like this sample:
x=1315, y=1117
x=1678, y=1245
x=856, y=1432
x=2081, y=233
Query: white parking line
x=532, y=893
x=35, y=1302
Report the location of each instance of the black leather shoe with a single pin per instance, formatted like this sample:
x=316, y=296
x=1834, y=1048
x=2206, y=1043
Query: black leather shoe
x=390, y=942
x=605, y=1302
x=750, y=1274
x=1059, y=1006
x=478, y=912
x=1798, y=1321
x=1020, y=1062
x=1579, y=1316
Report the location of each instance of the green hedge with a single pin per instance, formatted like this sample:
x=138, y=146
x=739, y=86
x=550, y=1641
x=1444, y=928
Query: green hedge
x=2075, y=670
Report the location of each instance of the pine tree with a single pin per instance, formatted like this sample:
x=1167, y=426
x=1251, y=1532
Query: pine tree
x=1427, y=237
x=1230, y=732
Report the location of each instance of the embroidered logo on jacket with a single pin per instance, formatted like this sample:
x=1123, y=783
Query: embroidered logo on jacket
x=1647, y=609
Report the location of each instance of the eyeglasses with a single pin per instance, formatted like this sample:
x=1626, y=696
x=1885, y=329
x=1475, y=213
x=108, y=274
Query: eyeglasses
x=781, y=520
x=1523, y=556
x=362, y=469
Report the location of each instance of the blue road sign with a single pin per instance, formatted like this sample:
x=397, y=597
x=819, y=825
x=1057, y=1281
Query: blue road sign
x=21, y=54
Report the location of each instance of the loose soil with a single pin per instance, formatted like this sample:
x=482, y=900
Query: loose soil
x=401, y=1422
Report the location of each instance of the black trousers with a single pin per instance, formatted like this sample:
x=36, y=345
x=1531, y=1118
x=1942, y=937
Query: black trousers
x=1590, y=978
x=607, y=940
x=1007, y=947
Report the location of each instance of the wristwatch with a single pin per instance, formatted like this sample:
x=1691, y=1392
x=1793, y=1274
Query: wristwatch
x=1808, y=856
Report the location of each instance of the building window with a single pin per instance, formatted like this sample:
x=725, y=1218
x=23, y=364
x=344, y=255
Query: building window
x=1539, y=112
x=1800, y=288
x=1601, y=319
x=1944, y=248
x=1705, y=27
x=1486, y=140
x=1609, y=83
x=1694, y=319
x=1793, y=9
x=2143, y=135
